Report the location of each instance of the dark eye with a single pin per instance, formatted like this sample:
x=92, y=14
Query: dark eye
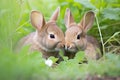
x=78, y=36
x=52, y=36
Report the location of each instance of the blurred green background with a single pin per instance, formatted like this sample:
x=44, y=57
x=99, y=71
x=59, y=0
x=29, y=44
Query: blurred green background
x=15, y=23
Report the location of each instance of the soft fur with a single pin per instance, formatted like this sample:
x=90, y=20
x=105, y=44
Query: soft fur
x=41, y=40
x=76, y=37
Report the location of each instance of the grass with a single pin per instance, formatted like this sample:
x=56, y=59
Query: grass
x=14, y=24
x=101, y=37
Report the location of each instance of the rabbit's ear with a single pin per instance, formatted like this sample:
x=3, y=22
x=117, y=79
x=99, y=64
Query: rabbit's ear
x=37, y=20
x=55, y=14
x=68, y=18
x=87, y=21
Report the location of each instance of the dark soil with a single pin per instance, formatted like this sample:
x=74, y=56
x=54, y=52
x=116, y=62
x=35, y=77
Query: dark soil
x=102, y=78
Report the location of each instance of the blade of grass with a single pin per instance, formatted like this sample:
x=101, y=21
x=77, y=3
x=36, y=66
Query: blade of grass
x=101, y=38
x=22, y=25
x=111, y=37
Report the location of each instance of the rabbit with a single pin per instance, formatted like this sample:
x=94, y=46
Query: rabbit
x=48, y=37
x=76, y=37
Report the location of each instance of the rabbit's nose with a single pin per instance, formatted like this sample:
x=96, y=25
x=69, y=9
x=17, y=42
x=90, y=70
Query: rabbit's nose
x=67, y=46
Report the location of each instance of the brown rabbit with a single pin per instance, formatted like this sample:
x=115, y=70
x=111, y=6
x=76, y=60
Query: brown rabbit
x=48, y=38
x=76, y=38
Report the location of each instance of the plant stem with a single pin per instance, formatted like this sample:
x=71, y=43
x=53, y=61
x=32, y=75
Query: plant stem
x=112, y=37
x=101, y=38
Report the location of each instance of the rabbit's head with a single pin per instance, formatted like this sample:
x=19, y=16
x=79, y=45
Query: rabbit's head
x=48, y=36
x=75, y=35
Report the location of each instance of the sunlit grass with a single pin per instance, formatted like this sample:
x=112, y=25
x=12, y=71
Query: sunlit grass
x=15, y=23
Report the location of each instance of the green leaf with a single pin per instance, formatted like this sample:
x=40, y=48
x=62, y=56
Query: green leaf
x=111, y=13
x=65, y=58
x=53, y=59
x=61, y=53
x=86, y=3
x=79, y=57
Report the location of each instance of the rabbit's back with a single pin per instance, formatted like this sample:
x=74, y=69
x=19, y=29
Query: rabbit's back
x=93, y=48
x=92, y=40
x=27, y=40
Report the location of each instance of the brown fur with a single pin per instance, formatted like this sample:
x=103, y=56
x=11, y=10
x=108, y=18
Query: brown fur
x=41, y=40
x=85, y=43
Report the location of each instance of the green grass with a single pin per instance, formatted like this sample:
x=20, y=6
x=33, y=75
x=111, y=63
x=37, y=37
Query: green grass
x=15, y=23
x=24, y=67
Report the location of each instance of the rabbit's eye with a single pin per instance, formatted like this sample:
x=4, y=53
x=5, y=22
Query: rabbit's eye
x=78, y=36
x=52, y=36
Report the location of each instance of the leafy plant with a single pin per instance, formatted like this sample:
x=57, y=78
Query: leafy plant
x=15, y=23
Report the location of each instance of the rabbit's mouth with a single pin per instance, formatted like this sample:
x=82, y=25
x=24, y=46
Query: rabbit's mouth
x=71, y=48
